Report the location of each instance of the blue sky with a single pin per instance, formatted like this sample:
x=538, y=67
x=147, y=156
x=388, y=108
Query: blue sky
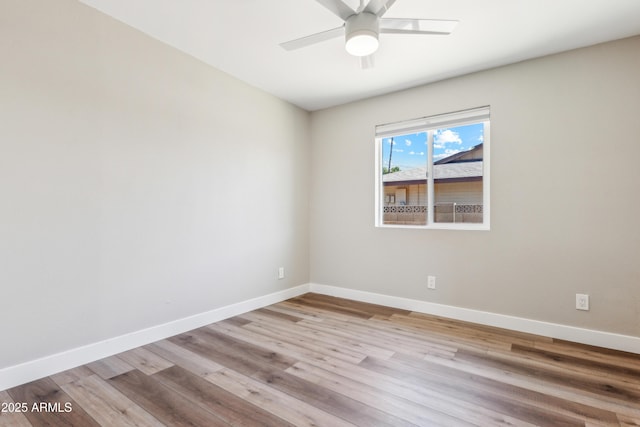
x=410, y=151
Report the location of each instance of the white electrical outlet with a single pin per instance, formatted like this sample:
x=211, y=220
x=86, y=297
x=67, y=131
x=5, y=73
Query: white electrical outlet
x=582, y=302
x=431, y=282
x=281, y=273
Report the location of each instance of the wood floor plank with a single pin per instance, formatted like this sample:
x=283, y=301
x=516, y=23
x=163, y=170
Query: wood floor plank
x=201, y=366
x=393, y=338
x=367, y=309
x=172, y=409
x=471, y=338
x=306, y=343
x=274, y=344
x=236, y=320
x=307, y=338
x=477, y=329
x=417, y=393
x=110, y=367
x=466, y=393
x=618, y=376
x=595, y=354
x=336, y=308
x=347, y=338
x=383, y=338
x=323, y=310
x=278, y=403
x=330, y=401
x=372, y=396
x=463, y=382
x=145, y=360
x=626, y=421
x=285, y=308
x=531, y=381
x=10, y=414
x=246, y=350
x=229, y=407
x=231, y=352
x=267, y=311
x=319, y=335
x=592, y=388
x=71, y=375
x=49, y=405
x=107, y=405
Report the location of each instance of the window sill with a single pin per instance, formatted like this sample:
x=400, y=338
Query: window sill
x=466, y=227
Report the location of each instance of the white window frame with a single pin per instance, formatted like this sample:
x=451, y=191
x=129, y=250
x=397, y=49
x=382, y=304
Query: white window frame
x=429, y=125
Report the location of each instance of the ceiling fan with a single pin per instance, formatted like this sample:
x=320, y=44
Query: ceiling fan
x=362, y=27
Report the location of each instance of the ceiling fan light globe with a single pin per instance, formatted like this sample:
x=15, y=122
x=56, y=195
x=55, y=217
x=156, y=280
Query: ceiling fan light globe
x=361, y=34
x=362, y=43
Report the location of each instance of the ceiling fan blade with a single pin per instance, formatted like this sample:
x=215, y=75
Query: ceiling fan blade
x=338, y=7
x=379, y=7
x=367, y=62
x=417, y=26
x=313, y=39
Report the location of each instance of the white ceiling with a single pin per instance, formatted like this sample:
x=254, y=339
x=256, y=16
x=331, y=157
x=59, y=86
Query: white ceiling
x=241, y=37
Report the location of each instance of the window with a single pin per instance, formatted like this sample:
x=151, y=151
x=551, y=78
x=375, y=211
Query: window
x=433, y=172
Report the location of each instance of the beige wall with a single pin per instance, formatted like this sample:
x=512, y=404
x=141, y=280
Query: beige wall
x=137, y=185
x=564, y=151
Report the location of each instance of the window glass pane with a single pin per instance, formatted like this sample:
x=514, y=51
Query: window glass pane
x=404, y=179
x=458, y=174
x=433, y=172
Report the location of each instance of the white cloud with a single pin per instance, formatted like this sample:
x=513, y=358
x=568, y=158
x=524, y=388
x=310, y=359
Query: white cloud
x=412, y=152
x=446, y=136
x=408, y=142
x=398, y=150
x=481, y=138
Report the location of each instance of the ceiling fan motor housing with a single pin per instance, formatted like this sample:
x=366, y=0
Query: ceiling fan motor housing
x=361, y=34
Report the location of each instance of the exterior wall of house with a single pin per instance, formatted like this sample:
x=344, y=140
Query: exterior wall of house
x=469, y=193
x=446, y=194
x=414, y=212
x=416, y=193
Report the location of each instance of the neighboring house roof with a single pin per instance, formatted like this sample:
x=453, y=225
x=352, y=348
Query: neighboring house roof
x=463, y=165
x=475, y=153
x=440, y=171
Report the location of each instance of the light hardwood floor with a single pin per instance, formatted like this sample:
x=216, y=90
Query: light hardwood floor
x=323, y=361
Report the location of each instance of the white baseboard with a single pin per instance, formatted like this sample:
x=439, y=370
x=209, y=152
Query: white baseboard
x=29, y=371
x=570, y=333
